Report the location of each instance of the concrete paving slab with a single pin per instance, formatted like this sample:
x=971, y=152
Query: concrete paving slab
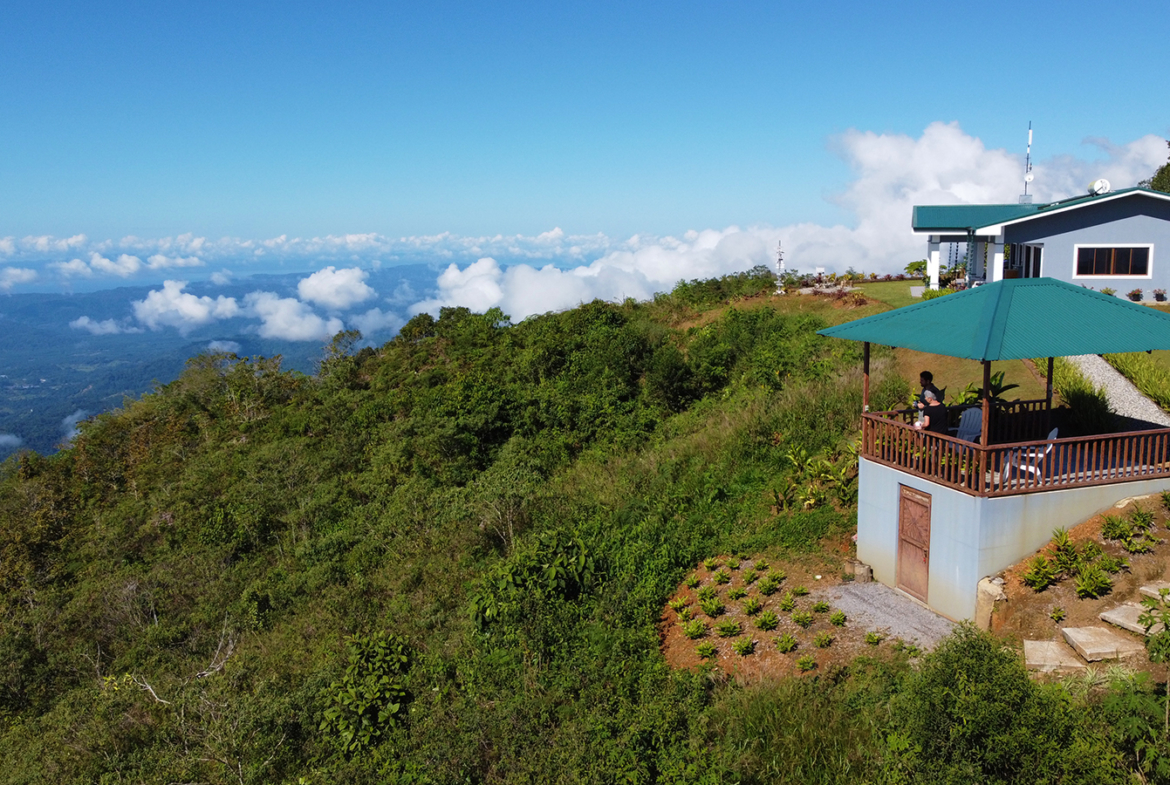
x=1048, y=656
x=1126, y=617
x=1151, y=589
x=1098, y=643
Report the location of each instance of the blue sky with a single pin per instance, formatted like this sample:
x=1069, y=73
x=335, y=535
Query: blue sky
x=623, y=126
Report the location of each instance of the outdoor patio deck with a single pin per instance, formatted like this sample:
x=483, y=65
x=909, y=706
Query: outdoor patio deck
x=1018, y=459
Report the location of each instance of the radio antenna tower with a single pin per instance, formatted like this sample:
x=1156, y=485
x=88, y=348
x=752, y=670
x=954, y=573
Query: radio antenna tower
x=1026, y=198
x=780, y=267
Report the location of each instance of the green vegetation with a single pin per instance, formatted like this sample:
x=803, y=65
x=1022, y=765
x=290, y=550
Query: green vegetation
x=786, y=643
x=1151, y=377
x=822, y=640
x=743, y=646
x=446, y=559
x=767, y=620
x=930, y=294
x=1090, y=412
x=837, y=619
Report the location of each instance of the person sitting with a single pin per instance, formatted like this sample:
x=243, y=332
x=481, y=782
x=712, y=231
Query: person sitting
x=926, y=380
x=934, y=415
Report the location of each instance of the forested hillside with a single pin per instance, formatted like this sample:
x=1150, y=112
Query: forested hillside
x=444, y=560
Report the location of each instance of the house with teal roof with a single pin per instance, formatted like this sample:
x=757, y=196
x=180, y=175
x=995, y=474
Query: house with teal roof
x=1110, y=239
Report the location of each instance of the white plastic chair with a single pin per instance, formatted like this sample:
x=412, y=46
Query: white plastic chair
x=1030, y=459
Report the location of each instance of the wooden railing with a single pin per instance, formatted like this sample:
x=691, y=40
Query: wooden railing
x=1015, y=467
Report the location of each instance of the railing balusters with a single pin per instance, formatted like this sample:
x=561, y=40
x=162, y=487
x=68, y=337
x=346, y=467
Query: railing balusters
x=889, y=438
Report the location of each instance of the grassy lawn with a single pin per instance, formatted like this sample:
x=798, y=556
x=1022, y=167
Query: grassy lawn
x=893, y=293
x=953, y=373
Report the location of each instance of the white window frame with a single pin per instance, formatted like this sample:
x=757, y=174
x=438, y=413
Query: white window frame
x=1149, y=264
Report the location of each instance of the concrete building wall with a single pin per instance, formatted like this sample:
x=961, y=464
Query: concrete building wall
x=1130, y=220
x=971, y=537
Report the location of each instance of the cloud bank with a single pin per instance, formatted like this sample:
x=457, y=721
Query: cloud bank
x=172, y=307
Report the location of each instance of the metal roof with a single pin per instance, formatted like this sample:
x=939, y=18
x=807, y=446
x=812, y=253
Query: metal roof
x=972, y=217
x=1016, y=319
x=964, y=217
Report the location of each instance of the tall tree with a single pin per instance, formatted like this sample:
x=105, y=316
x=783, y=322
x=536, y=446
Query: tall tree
x=1161, y=179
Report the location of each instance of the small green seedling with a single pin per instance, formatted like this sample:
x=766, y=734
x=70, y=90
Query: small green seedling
x=744, y=646
x=749, y=576
x=711, y=564
x=1166, y=503
x=692, y=581
x=820, y=607
x=874, y=638
x=721, y=576
x=762, y=565
x=678, y=603
x=768, y=586
x=685, y=614
x=802, y=619
x=806, y=663
x=787, y=602
x=800, y=591
x=752, y=606
x=767, y=621
x=786, y=643
x=738, y=593
x=732, y=563
x=1057, y=614
x=728, y=628
x=706, y=650
x=694, y=629
x=777, y=574
x=822, y=640
x=837, y=619
x=707, y=593
x=712, y=608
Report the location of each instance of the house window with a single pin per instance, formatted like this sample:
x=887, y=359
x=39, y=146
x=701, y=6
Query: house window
x=1117, y=260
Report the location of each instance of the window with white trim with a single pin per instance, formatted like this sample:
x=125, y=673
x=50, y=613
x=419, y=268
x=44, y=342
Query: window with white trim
x=1118, y=260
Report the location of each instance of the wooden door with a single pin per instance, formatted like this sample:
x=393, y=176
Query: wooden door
x=913, y=542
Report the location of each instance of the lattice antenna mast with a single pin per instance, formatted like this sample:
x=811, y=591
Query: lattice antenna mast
x=1026, y=198
x=780, y=267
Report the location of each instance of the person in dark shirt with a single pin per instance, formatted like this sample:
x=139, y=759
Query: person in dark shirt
x=934, y=414
x=926, y=380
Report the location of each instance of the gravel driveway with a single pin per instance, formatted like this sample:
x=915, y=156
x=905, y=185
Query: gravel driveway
x=1123, y=397
x=877, y=606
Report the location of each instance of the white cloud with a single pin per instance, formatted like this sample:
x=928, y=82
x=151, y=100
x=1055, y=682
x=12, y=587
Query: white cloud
x=49, y=243
x=230, y=347
x=336, y=289
x=160, y=262
x=7, y=245
x=222, y=278
x=125, y=266
x=376, y=320
x=289, y=318
x=14, y=276
x=172, y=307
x=10, y=441
x=894, y=172
x=105, y=327
x=71, y=268
x=69, y=429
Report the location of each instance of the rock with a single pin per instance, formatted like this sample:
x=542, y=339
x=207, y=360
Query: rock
x=1126, y=617
x=1048, y=656
x=1151, y=589
x=1099, y=643
x=986, y=596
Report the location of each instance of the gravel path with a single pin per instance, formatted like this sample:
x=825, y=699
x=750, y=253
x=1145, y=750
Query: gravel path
x=1123, y=397
x=876, y=606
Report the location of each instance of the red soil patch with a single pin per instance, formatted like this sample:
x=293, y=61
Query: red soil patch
x=1026, y=614
x=848, y=641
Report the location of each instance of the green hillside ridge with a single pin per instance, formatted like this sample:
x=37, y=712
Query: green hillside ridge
x=445, y=559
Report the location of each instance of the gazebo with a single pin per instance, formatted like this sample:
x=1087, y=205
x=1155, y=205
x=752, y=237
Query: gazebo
x=938, y=512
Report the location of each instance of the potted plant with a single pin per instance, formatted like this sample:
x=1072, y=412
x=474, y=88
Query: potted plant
x=1105, y=290
x=1160, y=295
x=1135, y=295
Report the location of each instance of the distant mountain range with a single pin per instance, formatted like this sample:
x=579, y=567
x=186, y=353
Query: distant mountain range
x=53, y=375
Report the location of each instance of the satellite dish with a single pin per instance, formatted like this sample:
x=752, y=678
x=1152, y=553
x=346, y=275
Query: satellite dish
x=1098, y=187
x=1029, y=177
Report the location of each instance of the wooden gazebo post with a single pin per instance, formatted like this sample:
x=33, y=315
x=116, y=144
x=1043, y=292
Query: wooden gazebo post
x=1048, y=399
x=865, y=378
x=983, y=436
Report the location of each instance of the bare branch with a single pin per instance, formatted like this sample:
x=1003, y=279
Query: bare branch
x=145, y=685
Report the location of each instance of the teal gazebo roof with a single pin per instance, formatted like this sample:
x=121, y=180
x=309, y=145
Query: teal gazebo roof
x=1013, y=320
